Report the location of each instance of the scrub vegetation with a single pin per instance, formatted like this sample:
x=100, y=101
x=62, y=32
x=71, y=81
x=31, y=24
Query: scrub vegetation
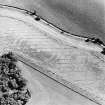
x=13, y=86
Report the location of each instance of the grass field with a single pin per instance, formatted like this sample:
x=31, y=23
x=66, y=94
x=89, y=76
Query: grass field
x=84, y=17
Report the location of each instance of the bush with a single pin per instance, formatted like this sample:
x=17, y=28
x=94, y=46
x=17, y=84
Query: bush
x=12, y=85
